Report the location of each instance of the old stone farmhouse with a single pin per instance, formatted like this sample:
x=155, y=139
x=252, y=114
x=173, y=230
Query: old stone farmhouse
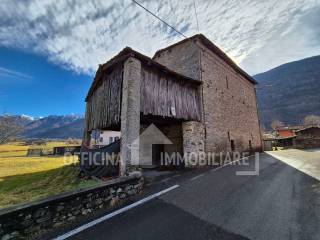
x=192, y=91
x=299, y=136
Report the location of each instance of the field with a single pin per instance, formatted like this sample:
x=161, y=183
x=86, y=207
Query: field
x=24, y=179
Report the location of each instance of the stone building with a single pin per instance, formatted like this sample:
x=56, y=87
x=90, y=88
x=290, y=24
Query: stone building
x=192, y=91
x=298, y=136
x=229, y=107
x=308, y=137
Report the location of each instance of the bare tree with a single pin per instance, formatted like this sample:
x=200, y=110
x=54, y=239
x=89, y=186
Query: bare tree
x=276, y=123
x=9, y=129
x=312, y=120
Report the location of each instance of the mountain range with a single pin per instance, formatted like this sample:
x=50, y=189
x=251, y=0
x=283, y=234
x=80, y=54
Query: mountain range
x=60, y=127
x=289, y=92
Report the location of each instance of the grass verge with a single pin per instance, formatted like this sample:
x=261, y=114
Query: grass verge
x=24, y=179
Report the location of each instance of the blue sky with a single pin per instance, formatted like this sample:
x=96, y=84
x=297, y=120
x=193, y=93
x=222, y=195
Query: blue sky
x=50, y=50
x=31, y=85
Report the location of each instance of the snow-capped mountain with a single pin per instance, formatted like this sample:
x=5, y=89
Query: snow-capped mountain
x=67, y=126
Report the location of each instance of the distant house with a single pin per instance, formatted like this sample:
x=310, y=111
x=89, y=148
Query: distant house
x=308, y=137
x=300, y=136
x=107, y=137
x=269, y=141
x=286, y=131
x=70, y=150
x=34, y=152
x=100, y=138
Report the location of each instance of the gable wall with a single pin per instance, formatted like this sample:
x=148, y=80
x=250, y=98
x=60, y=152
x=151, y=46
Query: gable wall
x=183, y=58
x=229, y=105
x=225, y=108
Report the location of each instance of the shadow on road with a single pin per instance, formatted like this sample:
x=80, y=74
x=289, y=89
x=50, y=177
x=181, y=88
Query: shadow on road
x=158, y=220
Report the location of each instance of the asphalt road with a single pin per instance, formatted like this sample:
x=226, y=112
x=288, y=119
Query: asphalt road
x=279, y=203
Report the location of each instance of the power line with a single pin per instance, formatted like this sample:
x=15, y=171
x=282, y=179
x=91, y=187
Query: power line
x=159, y=18
x=195, y=11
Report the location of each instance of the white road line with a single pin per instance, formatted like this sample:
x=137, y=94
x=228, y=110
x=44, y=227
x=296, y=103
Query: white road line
x=215, y=169
x=177, y=175
x=196, y=177
x=166, y=179
x=115, y=213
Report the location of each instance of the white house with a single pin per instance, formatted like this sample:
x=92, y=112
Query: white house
x=103, y=138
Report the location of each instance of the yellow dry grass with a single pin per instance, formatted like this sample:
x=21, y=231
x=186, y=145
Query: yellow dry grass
x=24, y=179
x=19, y=149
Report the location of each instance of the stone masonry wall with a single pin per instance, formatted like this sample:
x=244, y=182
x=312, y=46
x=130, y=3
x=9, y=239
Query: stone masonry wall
x=174, y=133
x=229, y=100
x=193, y=143
x=183, y=58
x=33, y=219
x=230, y=107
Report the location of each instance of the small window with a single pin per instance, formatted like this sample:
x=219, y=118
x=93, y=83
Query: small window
x=110, y=139
x=250, y=144
x=232, y=145
x=227, y=82
x=101, y=139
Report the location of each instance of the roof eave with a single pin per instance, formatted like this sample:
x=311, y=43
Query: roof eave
x=122, y=56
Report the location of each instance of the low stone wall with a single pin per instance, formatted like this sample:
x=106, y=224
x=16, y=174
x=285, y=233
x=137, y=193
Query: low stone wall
x=29, y=220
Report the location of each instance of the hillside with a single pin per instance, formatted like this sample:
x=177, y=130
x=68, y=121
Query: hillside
x=68, y=126
x=289, y=92
x=63, y=127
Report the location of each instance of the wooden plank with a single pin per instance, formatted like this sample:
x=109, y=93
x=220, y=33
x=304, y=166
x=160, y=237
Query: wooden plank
x=160, y=92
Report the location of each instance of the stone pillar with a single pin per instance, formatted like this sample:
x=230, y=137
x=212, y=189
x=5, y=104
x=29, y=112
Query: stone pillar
x=193, y=143
x=130, y=114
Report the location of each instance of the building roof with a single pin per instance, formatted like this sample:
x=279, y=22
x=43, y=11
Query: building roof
x=210, y=45
x=122, y=56
x=268, y=137
x=282, y=128
x=288, y=137
x=309, y=127
x=296, y=127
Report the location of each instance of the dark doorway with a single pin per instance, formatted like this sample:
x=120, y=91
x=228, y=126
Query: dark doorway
x=232, y=145
x=157, y=151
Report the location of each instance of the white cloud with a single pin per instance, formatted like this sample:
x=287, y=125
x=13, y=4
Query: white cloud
x=302, y=41
x=5, y=72
x=82, y=34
